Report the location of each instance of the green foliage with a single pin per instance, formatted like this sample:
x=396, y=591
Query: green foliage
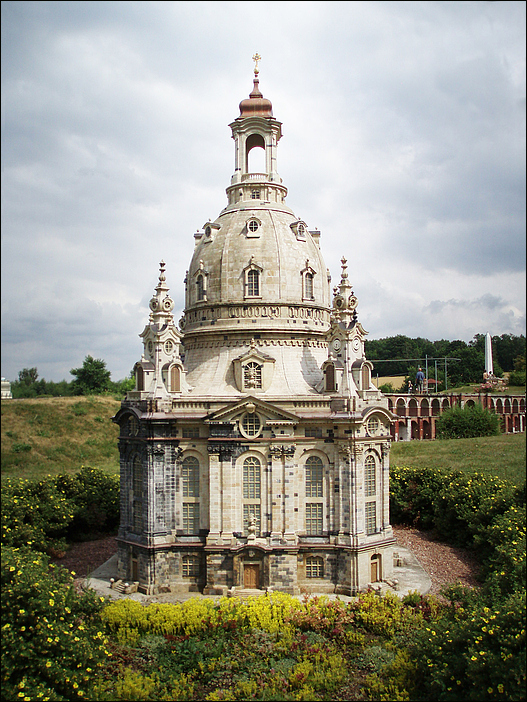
x=47, y=512
x=92, y=377
x=467, y=422
x=468, y=509
x=473, y=651
x=52, y=643
x=387, y=388
x=468, y=369
x=517, y=378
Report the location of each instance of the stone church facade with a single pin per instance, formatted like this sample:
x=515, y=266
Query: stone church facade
x=254, y=449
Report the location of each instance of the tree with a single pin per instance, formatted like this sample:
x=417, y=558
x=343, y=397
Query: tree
x=92, y=377
x=28, y=376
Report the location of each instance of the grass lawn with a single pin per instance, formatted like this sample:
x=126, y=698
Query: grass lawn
x=44, y=436
x=502, y=455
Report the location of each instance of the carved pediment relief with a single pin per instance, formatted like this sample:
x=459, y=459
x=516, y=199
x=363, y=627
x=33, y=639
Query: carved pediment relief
x=267, y=413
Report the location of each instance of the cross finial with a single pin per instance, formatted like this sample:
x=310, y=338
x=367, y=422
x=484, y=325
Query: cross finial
x=256, y=58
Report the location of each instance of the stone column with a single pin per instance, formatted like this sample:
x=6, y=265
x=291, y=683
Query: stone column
x=215, y=502
x=276, y=485
x=288, y=488
x=228, y=497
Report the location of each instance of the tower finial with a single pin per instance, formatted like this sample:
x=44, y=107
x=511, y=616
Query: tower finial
x=256, y=59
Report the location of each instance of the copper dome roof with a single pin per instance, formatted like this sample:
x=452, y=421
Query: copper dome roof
x=256, y=105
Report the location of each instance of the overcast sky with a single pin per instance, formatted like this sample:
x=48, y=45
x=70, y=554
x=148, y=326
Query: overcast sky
x=403, y=142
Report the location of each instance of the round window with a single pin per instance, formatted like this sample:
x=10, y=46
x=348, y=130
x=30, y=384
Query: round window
x=169, y=345
x=373, y=425
x=253, y=225
x=207, y=231
x=251, y=424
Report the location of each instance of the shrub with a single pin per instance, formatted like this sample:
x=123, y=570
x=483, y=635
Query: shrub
x=52, y=642
x=517, y=378
x=35, y=512
x=47, y=512
x=473, y=651
x=467, y=422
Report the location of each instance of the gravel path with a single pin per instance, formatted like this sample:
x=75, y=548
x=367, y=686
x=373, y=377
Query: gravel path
x=444, y=564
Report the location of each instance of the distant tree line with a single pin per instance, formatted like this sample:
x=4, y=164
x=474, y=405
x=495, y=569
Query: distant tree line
x=92, y=378
x=508, y=352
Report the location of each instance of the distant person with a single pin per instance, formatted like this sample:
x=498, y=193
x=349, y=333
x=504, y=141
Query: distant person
x=419, y=380
x=410, y=386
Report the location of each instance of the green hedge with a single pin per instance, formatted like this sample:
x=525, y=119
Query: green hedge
x=467, y=509
x=48, y=513
x=467, y=422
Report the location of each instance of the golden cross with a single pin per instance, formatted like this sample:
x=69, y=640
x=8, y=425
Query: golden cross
x=256, y=58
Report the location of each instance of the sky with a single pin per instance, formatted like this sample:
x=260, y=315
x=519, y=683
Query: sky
x=403, y=142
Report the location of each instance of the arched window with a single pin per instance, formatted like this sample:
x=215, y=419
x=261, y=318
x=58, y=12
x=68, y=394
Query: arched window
x=314, y=477
x=175, y=379
x=137, y=490
x=253, y=283
x=251, y=495
x=329, y=373
x=139, y=378
x=200, y=288
x=133, y=425
x=252, y=375
x=314, y=567
x=190, y=476
x=365, y=377
x=190, y=491
x=308, y=286
x=370, y=466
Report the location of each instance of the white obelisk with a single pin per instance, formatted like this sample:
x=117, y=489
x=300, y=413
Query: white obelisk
x=489, y=368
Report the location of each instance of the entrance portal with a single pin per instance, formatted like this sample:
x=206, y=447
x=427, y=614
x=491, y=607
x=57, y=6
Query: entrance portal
x=251, y=576
x=375, y=568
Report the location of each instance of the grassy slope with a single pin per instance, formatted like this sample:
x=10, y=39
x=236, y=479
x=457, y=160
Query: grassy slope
x=67, y=432
x=64, y=433
x=502, y=455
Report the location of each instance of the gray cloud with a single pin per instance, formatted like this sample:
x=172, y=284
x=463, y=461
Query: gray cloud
x=404, y=142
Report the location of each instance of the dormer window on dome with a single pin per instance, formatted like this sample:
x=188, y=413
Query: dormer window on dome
x=252, y=280
x=300, y=229
x=253, y=228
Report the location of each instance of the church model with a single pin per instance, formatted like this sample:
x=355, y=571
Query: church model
x=254, y=449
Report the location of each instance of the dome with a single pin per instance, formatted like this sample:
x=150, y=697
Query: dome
x=256, y=105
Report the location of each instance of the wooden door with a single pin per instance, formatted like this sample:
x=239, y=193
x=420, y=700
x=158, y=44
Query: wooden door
x=251, y=576
x=374, y=570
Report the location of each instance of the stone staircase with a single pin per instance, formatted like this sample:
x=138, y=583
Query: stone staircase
x=123, y=588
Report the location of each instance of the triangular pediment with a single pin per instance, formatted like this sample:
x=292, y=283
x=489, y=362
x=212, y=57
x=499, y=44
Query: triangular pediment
x=251, y=404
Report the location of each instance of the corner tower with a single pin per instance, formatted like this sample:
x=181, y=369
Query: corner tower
x=255, y=448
